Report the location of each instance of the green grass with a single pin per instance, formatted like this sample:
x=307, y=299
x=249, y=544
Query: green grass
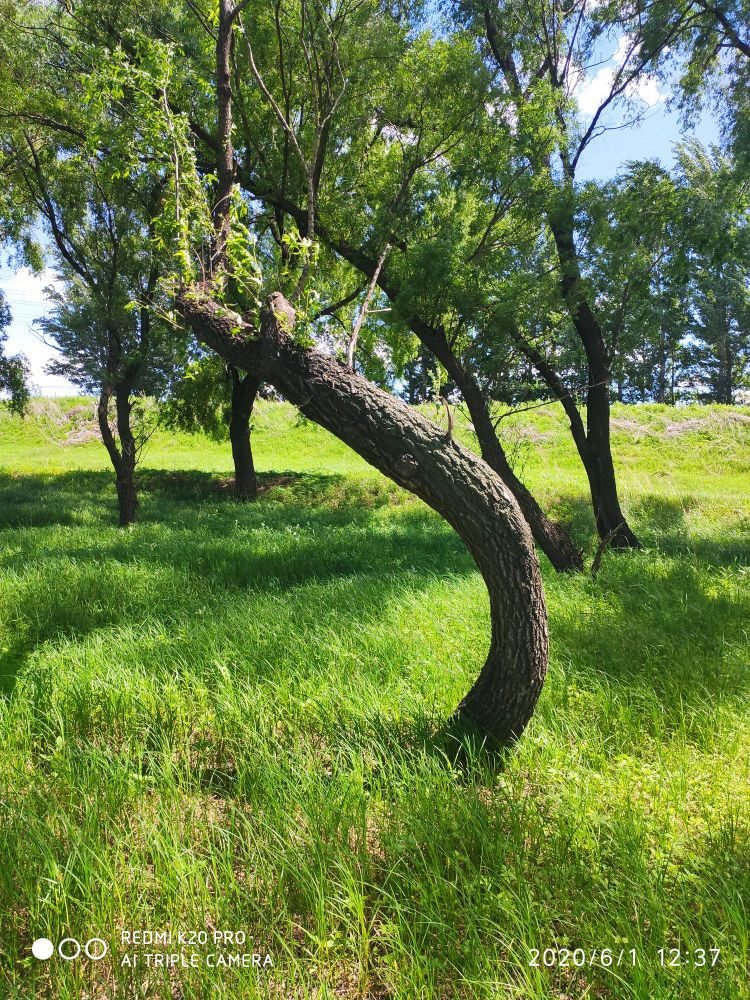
x=221, y=720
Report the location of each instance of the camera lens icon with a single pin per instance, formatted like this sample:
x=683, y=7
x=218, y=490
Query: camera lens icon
x=70, y=949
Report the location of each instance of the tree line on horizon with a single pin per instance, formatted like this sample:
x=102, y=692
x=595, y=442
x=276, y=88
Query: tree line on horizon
x=356, y=201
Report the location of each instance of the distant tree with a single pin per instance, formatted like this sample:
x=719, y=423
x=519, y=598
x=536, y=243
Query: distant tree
x=716, y=213
x=14, y=369
x=419, y=376
x=105, y=318
x=69, y=171
x=637, y=264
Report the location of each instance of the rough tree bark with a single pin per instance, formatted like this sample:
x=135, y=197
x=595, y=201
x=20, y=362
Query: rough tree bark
x=419, y=456
x=123, y=458
x=244, y=390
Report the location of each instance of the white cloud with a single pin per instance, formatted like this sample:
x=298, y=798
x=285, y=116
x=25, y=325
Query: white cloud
x=24, y=284
x=592, y=91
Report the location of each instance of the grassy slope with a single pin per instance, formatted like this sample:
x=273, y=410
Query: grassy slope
x=218, y=720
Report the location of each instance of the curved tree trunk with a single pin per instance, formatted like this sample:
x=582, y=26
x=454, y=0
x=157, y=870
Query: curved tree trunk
x=420, y=457
x=244, y=390
x=123, y=458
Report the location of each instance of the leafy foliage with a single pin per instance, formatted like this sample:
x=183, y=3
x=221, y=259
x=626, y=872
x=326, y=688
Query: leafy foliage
x=198, y=398
x=14, y=369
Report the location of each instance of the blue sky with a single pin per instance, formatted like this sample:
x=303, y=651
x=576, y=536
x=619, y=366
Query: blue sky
x=653, y=137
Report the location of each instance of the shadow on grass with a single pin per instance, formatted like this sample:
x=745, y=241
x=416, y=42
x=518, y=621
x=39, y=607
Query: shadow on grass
x=34, y=501
x=660, y=523
x=273, y=543
x=575, y=512
x=656, y=647
x=67, y=498
x=662, y=632
x=652, y=516
x=659, y=515
x=381, y=740
x=197, y=555
x=663, y=523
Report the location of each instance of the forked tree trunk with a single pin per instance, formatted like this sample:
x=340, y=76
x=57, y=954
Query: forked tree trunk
x=417, y=455
x=244, y=390
x=127, y=500
x=124, y=457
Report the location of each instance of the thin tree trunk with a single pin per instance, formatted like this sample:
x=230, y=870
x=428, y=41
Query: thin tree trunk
x=598, y=461
x=123, y=458
x=225, y=158
x=724, y=386
x=418, y=456
x=661, y=390
x=126, y=492
x=412, y=384
x=600, y=487
x=600, y=471
x=362, y=314
x=244, y=390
